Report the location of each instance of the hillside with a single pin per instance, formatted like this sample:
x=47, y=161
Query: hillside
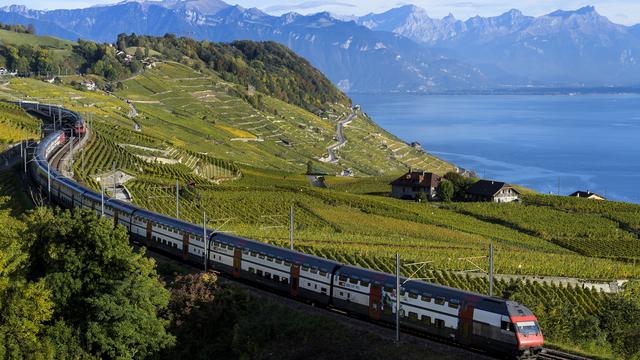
x=239, y=154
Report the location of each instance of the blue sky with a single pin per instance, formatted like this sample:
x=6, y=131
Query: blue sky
x=620, y=11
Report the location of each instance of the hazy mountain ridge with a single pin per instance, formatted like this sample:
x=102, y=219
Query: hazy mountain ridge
x=570, y=48
x=352, y=56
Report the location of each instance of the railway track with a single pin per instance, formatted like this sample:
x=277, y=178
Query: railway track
x=550, y=354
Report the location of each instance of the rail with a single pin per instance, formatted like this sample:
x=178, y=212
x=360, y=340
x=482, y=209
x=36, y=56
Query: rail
x=552, y=354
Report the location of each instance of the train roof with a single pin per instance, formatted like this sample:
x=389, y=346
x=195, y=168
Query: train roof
x=45, y=143
x=122, y=206
x=295, y=257
x=169, y=221
x=72, y=184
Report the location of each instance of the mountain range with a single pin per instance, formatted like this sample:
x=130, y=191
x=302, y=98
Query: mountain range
x=401, y=50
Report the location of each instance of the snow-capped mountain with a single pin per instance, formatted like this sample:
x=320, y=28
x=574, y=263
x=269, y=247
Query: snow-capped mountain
x=402, y=49
x=571, y=48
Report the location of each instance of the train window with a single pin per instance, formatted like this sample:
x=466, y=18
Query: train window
x=309, y=284
x=440, y=300
x=388, y=290
x=314, y=271
x=304, y=268
x=260, y=256
x=252, y=270
x=506, y=326
x=254, y=254
x=440, y=323
x=341, y=293
x=323, y=290
x=276, y=278
x=426, y=319
x=322, y=273
x=413, y=316
x=269, y=258
x=343, y=278
x=285, y=280
x=259, y=272
x=402, y=292
x=364, y=283
x=353, y=281
x=413, y=296
x=278, y=261
x=454, y=304
x=426, y=297
x=267, y=275
x=287, y=263
x=246, y=252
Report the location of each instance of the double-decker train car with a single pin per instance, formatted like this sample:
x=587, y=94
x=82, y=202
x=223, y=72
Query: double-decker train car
x=488, y=323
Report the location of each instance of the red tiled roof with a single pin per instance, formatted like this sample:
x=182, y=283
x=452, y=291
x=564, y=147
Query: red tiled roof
x=417, y=178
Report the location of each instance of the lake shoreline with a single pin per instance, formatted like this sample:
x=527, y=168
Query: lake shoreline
x=544, y=143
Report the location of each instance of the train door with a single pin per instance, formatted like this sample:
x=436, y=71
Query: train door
x=466, y=322
x=185, y=246
x=295, y=279
x=115, y=218
x=149, y=232
x=237, y=262
x=375, y=297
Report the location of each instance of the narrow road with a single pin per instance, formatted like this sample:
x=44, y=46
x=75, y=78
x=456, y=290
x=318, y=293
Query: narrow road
x=333, y=157
x=132, y=115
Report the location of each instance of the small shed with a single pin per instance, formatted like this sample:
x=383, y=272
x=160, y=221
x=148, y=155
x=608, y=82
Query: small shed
x=587, y=195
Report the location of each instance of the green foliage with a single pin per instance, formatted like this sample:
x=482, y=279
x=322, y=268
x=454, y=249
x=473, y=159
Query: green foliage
x=100, y=59
x=209, y=318
x=460, y=183
x=445, y=190
x=103, y=290
x=29, y=29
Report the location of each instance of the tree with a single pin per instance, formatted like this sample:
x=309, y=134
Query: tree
x=139, y=55
x=445, y=190
x=26, y=305
x=110, y=294
x=460, y=183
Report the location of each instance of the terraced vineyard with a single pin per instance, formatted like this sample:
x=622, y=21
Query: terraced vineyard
x=589, y=234
x=200, y=109
x=16, y=125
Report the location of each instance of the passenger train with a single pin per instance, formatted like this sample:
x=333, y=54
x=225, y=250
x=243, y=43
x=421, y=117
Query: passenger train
x=488, y=323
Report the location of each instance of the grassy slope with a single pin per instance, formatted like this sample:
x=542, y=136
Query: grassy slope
x=16, y=39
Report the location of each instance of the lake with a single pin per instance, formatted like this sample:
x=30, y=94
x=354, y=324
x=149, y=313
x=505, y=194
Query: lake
x=544, y=142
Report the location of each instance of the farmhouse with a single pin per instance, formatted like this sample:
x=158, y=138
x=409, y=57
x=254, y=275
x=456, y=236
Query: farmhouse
x=492, y=191
x=89, y=85
x=587, y=195
x=409, y=185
